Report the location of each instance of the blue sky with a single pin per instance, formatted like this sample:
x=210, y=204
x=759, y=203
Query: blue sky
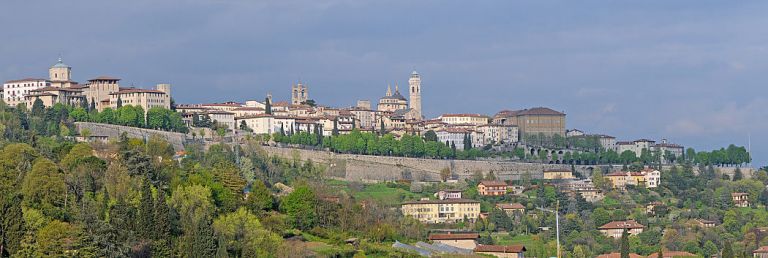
x=690, y=71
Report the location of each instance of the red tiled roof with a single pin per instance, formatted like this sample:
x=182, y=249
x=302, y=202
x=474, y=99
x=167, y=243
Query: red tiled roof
x=442, y=201
x=539, y=111
x=628, y=224
x=26, y=80
x=135, y=90
x=454, y=236
x=739, y=194
x=253, y=116
x=104, y=78
x=222, y=104
x=248, y=108
x=493, y=183
x=761, y=250
x=618, y=255
x=670, y=254
x=49, y=88
x=464, y=115
x=500, y=248
x=557, y=170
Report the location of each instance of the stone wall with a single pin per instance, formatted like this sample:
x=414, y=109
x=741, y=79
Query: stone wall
x=114, y=131
x=365, y=167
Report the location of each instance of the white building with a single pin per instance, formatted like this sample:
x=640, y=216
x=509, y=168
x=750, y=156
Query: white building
x=573, y=133
x=223, y=118
x=15, y=90
x=472, y=119
x=607, y=142
x=636, y=146
x=498, y=134
x=453, y=136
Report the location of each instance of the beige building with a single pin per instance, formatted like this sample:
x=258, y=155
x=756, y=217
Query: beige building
x=650, y=178
x=533, y=121
x=552, y=174
x=511, y=208
x=501, y=251
x=460, y=119
x=52, y=95
x=60, y=75
x=458, y=240
x=144, y=98
x=442, y=211
x=259, y=124
x=615, y=229
x=740, y=199
x=97, y=91
x=492, y=188
x=392, y=101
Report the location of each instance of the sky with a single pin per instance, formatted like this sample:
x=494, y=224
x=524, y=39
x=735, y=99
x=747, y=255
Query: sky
x=690, y=71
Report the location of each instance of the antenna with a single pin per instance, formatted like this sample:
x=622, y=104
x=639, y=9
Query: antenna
x=749, y=148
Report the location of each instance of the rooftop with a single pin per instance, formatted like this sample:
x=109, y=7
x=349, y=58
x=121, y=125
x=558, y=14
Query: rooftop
x=493, y=183
x=454, y=236
x=104, y=78
x=26, y=80
x=500, y=248
x=628, y=224
x=442, y=201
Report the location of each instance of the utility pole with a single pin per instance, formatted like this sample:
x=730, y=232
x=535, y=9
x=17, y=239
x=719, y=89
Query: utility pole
x=557, y=223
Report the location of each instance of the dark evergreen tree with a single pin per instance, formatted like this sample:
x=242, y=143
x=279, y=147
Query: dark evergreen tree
x=382, y=130
x=38, y=107
x=11, y=225
x=625, y=244
x=146, y=225
x=335, y=131
x=93, y=105
x=119, y=102
x=84, y=104
x=738, y=175
x=267, y=106
x=727, y=251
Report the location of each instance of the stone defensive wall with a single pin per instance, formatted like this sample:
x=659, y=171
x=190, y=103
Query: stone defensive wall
x=379, y=168
x=114, y=131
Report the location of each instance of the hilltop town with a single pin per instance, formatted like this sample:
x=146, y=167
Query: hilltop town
x=590, y=195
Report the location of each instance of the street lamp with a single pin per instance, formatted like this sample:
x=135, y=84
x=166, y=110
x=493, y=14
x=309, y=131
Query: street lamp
x=557, y=223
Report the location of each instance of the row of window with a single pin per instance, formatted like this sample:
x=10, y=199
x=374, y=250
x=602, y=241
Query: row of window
x=39, y=84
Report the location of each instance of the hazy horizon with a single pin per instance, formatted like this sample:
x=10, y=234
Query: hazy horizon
x=688, y=71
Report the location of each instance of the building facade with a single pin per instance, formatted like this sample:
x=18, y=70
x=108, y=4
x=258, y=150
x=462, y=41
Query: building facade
x=299, y=93
x=442, y=211
x=144, y=98
x=415, y=93
x=615, y=229
x=15, y=90
x=492, y=188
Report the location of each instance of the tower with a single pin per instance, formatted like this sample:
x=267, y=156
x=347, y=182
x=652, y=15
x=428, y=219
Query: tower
x=59, y=72
x=299, y=93
x=415, y=93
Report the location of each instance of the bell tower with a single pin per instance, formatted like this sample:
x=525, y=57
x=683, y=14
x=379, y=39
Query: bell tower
x=60, y=72
x=415, y=93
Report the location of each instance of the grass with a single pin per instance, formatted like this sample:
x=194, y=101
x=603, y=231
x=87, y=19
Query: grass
x=385, y=195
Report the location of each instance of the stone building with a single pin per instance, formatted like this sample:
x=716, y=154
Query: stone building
x=144, y=98
x=392, y=101
x=533, y=121
x=299, y=93
x=415, y=93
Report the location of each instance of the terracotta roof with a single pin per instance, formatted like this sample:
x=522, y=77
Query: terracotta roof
x=761, y=250
x=643, y=140
x=557, y=170
x=248, y=108
x=135, y=90
x=540, y=111
x=454, y=236
x=253, y=116
x=618, y=255
x=454, y=130
x=500, y=248
x=26, y=80
x=628, y=224
x=40, y=94
x=104, y=78
x=507, y=113
x=222, y=104
x=739, y=194
x=49, y=88
x=493, y=183
x=463, y=115
x=670, y=254
x=442, y=201
x=510, y=206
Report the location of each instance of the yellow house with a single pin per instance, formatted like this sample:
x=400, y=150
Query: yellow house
x=442, y=211
x=551, y=174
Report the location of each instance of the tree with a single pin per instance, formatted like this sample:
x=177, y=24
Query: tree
x=259, y=199
x=727, y=250
x=299, y=206
x=44, y=188
x=61, y=239
x=244, y=236
x=625, y=244
x=738, y=175
x=430, y=136
x=244, y=126
x=194, y=206
x=710, y=249
x=119, y=102
x=146, y=211
x=445, y=173
x=335, y=131
x=11, y=224
x=267, y=106
x=37, y=107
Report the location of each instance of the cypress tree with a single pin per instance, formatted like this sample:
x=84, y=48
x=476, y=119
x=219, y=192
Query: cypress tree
x=727, y=251
x=162, y=218
x=119, y=102
x=84, y=104
x=146, y=211
x=336, y=126
x=11, y=225
x=93, y=105
x=625, y=244
x=267, y=106
x=381, y=127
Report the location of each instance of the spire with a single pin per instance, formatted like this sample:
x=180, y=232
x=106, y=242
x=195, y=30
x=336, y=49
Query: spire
x=389, y=90
x=396, y=90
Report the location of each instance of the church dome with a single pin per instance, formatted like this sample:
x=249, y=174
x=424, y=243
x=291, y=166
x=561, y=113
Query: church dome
x=60, y=64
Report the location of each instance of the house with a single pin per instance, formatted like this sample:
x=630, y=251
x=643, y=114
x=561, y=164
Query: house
x=650, y=178
x=673, y=254
x=442, y=211
x=650, y=207
x=511, y=208
x=459, y=240
x=552, y=174
x=492, y=188
x=615, y=229
x=516, y=189
x=618, y=255
x=585, y=187
x=705, y=223
x=761, y=252
x=448, y=194
x=740, y=199
x=505, y=251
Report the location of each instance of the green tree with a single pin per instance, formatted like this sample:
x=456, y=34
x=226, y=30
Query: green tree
x=260, y=198
x=146, y=224
x=267, y=106
x=44, y=188
x=11, y=224
x=727, y=250
x=244, y=236
x=194, y=206
x=430, y=136
x=601, y=216
x=299, y=206
x=710, y=249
